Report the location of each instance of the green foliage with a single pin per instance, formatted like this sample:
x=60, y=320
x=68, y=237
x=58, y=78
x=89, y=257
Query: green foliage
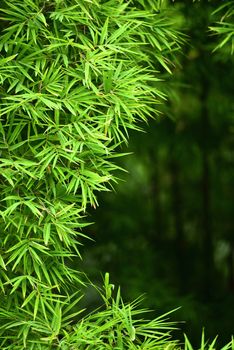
x=205, y=345
x=119, y=326
x=224, y=27
x=75, y=76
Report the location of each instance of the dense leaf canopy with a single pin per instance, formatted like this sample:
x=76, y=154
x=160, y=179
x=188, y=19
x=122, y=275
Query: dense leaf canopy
x=76, y=76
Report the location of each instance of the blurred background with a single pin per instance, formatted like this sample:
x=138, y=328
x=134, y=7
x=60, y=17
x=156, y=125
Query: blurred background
x=167, y=229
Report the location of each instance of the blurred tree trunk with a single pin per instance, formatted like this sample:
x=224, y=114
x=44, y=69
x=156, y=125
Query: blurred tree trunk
x=206, y=219
x=157, y=222
x=177, y=212
x=231, y=269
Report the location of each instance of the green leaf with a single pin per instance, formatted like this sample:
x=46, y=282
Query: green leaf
x=2, y=264
x=46, y=233
x=104, y=32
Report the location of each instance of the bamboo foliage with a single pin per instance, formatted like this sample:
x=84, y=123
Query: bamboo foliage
x=224, y=27
x=75, y=76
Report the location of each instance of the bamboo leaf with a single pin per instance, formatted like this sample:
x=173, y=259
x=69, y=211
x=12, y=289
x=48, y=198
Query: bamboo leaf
x=104, y=32
x=2, y=264
x=46, y=233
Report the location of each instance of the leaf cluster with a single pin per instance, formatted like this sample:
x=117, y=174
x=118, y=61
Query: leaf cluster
x=75, y=76
x=119, y=326
x=224, y=27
